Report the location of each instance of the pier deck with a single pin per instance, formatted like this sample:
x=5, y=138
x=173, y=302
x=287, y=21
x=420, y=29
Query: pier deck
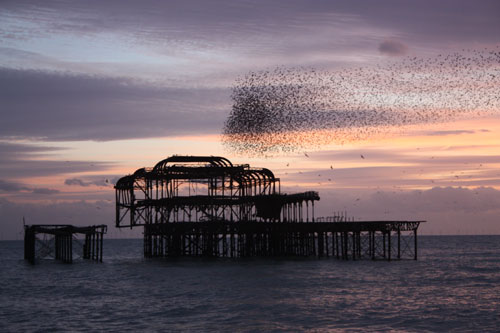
x=343, y=240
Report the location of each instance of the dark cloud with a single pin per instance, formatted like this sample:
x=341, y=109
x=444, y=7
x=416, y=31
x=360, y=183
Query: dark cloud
x=393, y=48
x=76, y=181
x=260, y=29
x=43, y=190
x=95, y=182
x=23, y=160
x=12, y=150
x=13, y=187
x=60, y=106
x=41, y=168
x=196, y=20
x=9, y=186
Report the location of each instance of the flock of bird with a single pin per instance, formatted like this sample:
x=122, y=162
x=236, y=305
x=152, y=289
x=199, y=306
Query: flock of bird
x=290, y=109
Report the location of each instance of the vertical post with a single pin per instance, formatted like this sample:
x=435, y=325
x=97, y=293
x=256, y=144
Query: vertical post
x=370, y=244
x=389, y=245
x=93, y=245
x=89, y=245
x=383, y=242
x=353, y=245
x=101, y=246
x=29, y=244
x=57, y=247
x=70, y=240
x=415, y=238
x=373, y=245
x=337, y=244
x=64, y=248
x=399, y=242
x=85, y=247
x=358, y=236
x=327, y=245
x=97, y=246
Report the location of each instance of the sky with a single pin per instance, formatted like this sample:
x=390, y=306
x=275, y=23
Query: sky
x=92, y=90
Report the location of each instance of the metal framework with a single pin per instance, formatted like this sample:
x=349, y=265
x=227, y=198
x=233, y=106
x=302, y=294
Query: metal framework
x=205, y=205
x=206, y=188
x=57, y=241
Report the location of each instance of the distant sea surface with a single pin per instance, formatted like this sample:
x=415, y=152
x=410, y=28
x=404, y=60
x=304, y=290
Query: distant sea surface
x=454, y=286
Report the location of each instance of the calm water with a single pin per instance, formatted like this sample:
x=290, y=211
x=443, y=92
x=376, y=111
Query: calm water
x=454, y=286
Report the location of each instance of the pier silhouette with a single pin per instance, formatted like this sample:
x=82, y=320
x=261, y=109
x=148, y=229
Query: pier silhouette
x=208, y=206
x=59, y=244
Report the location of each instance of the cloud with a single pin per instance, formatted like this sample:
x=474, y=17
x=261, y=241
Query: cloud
x=59, y=106
x=419, y=157
x=43, y=190
x=13, y=187
x=12, y=150
x=96, y=182
x=35, y=160
x=75, y=181
x=446, y=22
x=9, y=186
x=227, y=21
x=455, y=132
x=393, y=48
x=391, y=169
x=193, y=39
x=447, y=210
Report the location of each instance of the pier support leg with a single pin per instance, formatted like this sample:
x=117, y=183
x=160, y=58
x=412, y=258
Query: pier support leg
x=415, y=239
x=399, y=244
x=383, y=242
x=389, y=245
x=353, y=245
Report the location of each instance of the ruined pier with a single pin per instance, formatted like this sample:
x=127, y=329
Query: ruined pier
x=56, y=241
x=207, y=206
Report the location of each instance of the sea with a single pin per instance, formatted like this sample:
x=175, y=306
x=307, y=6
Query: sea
x=453, y=286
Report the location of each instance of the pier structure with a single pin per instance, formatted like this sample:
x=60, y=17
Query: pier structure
x=56, y=241
x=207, y=206
x=387, y=240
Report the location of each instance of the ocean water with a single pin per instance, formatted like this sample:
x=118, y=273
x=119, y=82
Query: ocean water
x=454, y=286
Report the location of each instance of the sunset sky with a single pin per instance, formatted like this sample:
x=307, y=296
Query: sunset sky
x=93, y=90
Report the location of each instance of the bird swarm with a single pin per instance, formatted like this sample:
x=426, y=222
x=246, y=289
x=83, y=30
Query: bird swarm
x=288, y=109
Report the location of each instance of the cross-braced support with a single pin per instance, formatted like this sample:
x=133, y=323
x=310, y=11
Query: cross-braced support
x=57, y=241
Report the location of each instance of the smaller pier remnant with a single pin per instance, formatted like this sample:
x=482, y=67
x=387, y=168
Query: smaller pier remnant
x=60, y=242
